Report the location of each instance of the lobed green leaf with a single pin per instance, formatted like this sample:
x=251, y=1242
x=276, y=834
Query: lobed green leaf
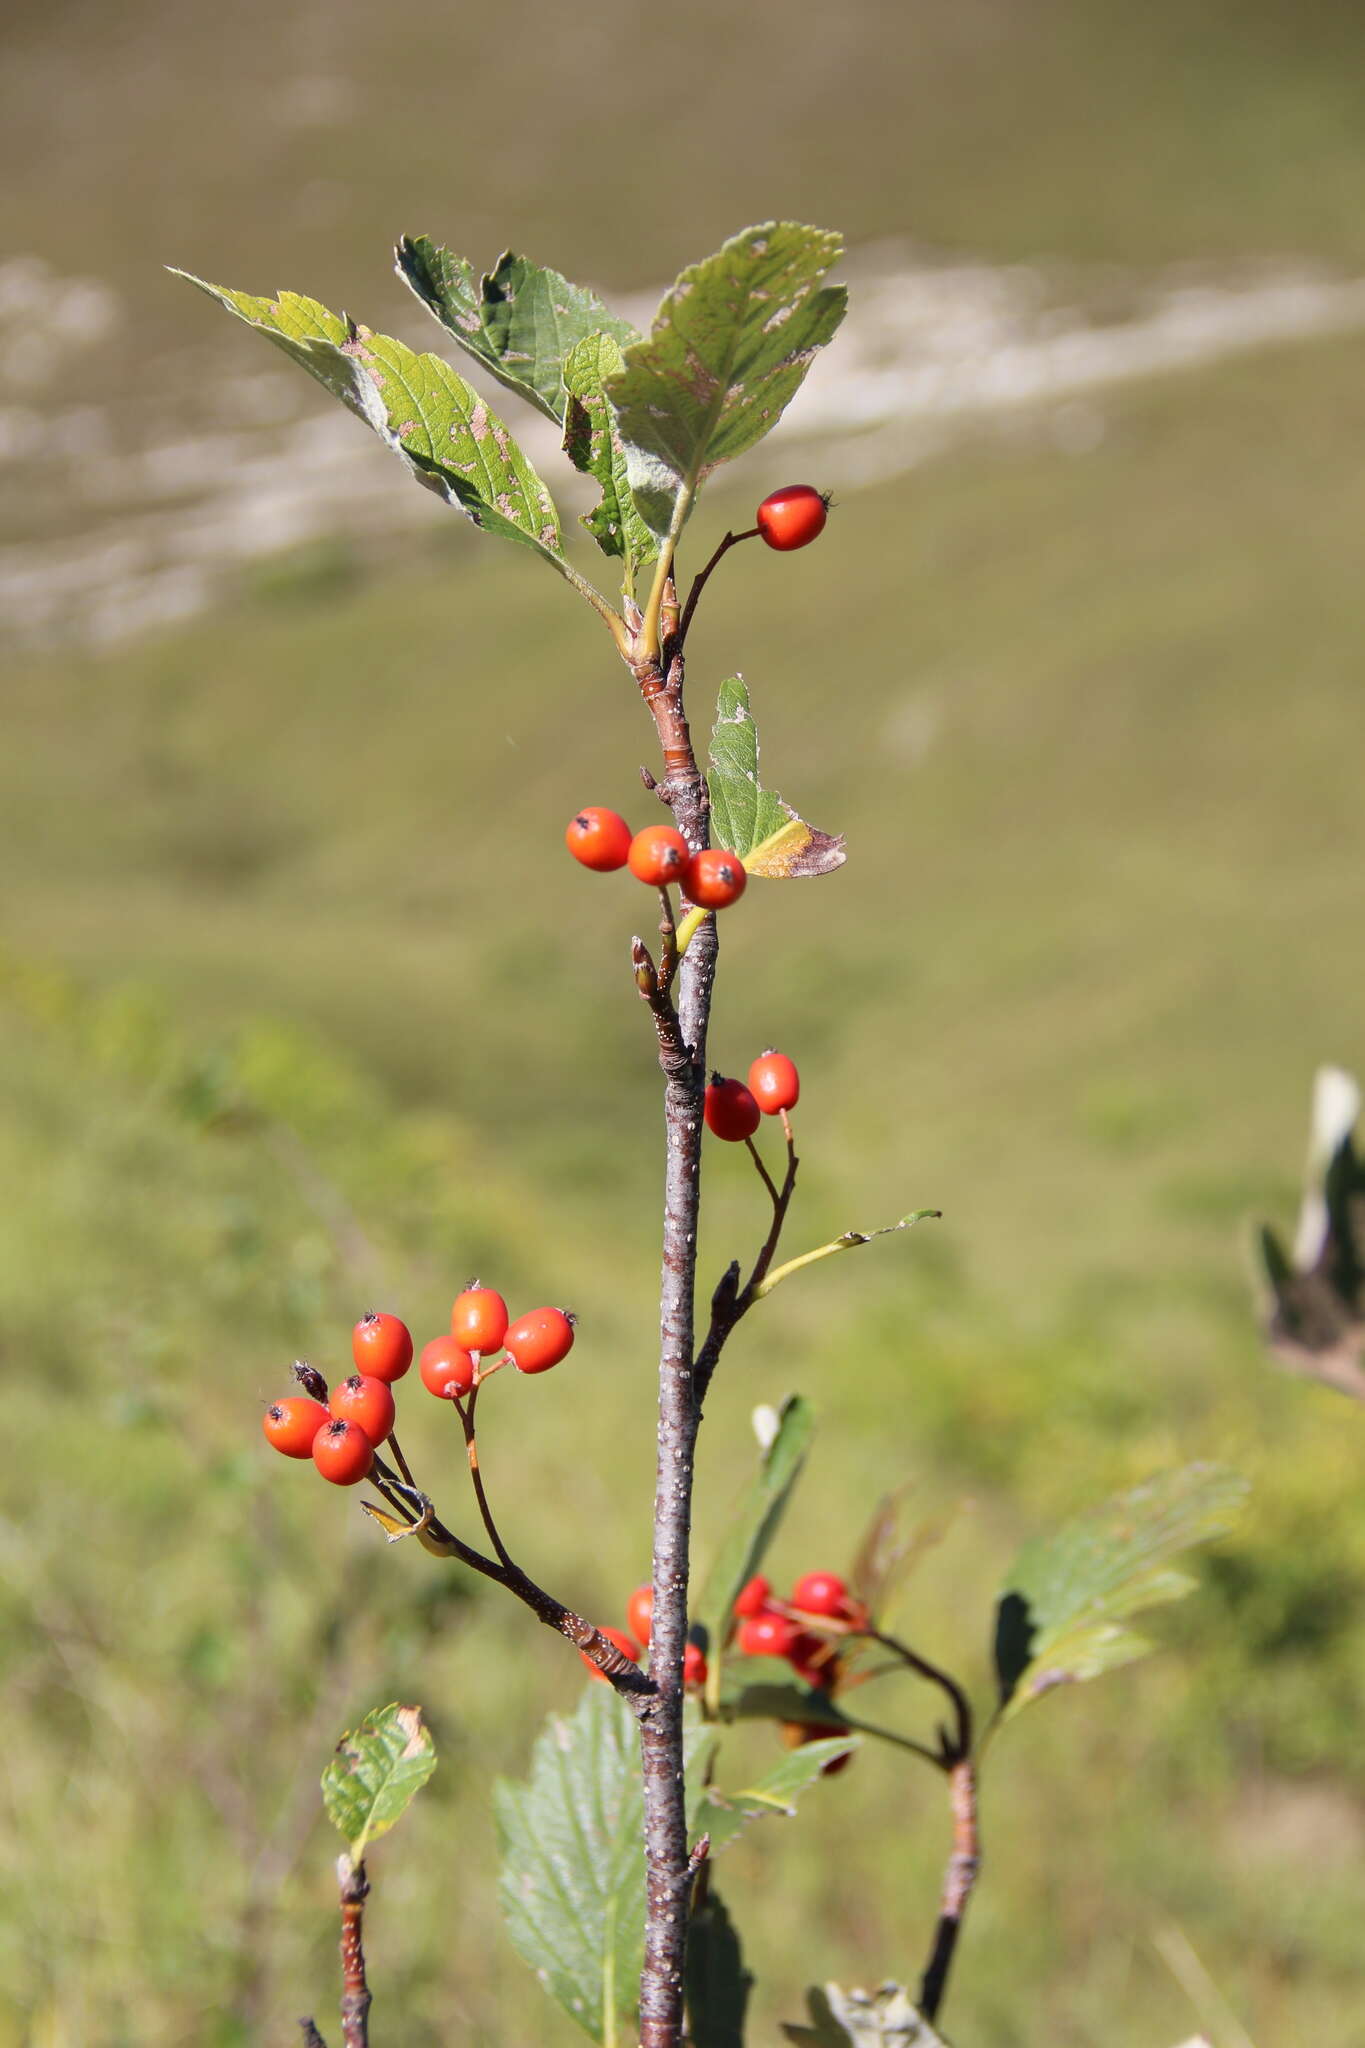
x=521, y=322
x=377, y=1770
x=419, y=407
x=728, y=350
x=1063, y=1613
x=752, y=821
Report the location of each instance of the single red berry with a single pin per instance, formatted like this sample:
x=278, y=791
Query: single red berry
x=599, y=838
x=821, y=1593
x=446, y=1368
x=714, y=878
x=539, y=1340
x=292, y=1424
x=694, y=1668
x=479, y=1320
x=381, y=1346
x=774, y=1082
x=767, y=1635
x=366, y=1401
x=793, y=516
x=731, y=1111
x=640, y=1612
x=658, y=855
x=624, y=1644
x=753, y=1598
x=343, y=1453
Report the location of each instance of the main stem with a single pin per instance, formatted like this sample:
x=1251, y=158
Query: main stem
x=667, y=1874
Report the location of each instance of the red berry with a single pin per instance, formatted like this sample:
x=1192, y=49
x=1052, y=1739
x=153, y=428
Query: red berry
x=623, y=1643
x=774, y=1082
x=731, y=1111
x=753, y=1598
x=367, y=1402
x=600, y=839
x=714, y=878
x=292, y=1424
x=343, y=1453
x=658, y=855
x=640, y=1612
x=767, y=1635
x=694, y=1668
x=822, y=1593
x=539, y=1340
x=446, y=1368
x=793, y=516
x=479, y=1320
x=381, y=1346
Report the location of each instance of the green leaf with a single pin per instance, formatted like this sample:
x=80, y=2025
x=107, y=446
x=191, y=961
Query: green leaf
x=1063, y=1613
x=718, y=1985
x=885, y=2018
x=725, y=1815
x=752, y=1528
x=728, y=350
x=419, y=407
x=594, y=446
x=752, y=821
x=521, y=322
x=377, y=1770
x=572, y=1885
x=768, y=1693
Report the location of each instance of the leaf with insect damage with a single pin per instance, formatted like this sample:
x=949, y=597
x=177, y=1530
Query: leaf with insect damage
x=752, y=821
x=378, y=1769
x=522, y=322
x=728, y=350
x=419, y=407
x=593, y=445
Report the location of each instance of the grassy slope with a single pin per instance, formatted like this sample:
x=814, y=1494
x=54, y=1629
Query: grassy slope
x=1087, y=721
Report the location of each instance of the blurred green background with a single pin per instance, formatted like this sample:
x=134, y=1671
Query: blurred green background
x=303, y=1008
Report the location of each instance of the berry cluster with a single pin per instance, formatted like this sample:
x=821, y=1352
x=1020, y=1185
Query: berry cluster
x=341, y=1437
x=632, y=1640
x=603, y=841
x=734, y=1112
x=768, y=1627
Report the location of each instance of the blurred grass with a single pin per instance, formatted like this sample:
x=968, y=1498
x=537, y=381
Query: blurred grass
x=1091, y=727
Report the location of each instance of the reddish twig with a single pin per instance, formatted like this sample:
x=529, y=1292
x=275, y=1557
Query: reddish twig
x=964, y=1865
x=355, y=1992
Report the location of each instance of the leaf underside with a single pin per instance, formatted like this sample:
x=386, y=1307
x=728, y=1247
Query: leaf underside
x=752, y=821
x=1063, y=1613
x=885, y=2018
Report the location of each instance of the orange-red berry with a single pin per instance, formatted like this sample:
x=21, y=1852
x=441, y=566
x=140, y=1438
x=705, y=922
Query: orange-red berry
x=343, y=1453
x=822, y=1593
x=599, y=838
x=752, y=1598
x=367, y=1401
x=290, y=1425
x=640, y=1612
x=774, y=1082
x=446, y=1368
x=793, y=516
x=539, y=1340
x=730, y=1111
x=658, y=855
x=479, y=1320
x=714, y=878
x=624, y=1644
x=381, y=1346
x=767, y=1635
x=694, y=1668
